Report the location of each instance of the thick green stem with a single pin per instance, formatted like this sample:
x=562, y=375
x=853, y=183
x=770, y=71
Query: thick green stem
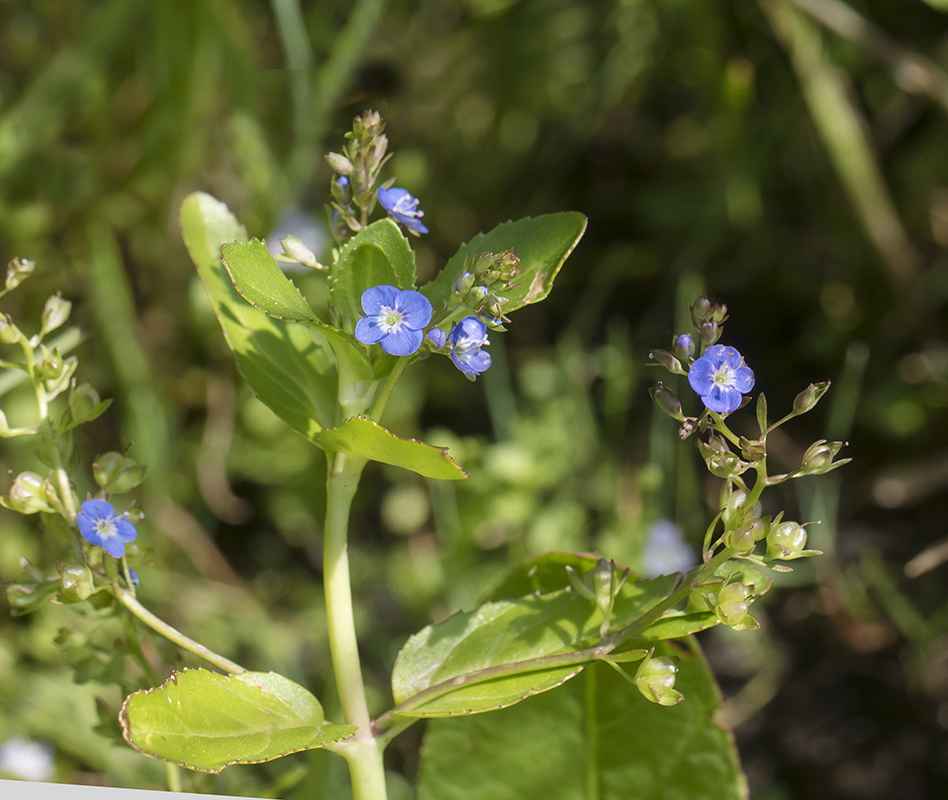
x=363, y=751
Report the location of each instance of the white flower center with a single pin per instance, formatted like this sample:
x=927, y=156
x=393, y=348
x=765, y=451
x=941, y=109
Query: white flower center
x=406, y=205
x=723, y=375
x=390, y=320
x=105, y=527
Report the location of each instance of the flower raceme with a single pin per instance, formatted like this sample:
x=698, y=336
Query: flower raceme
x=102, y=527
x=720, y=378
x=403, y=208
x=394, y=318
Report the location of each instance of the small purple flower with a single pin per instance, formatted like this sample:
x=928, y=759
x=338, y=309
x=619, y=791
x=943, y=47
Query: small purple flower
x=100, y=526
x=395, y=318
x=467, y=339
x=720, y=377
x=403, y=207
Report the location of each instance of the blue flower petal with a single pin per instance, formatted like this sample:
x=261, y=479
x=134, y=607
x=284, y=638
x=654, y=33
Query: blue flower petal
x=743, y=379
x=403, y=342
x=378, y=296
x=701, y=376
x=416, y=308
x=368, y=331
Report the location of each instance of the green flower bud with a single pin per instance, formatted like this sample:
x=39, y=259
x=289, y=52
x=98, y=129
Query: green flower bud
x=85, y=403
x=117, y=473
x=700, y=310
x=668, y=361
x=655, y=679
x=9, y=333
x=666, y=400
x=810, y=396
x=77, y=581
x=18, y=270
x=818, y=458
x=339, y=163
x=298, y=253
x=55, y=313
x=785, y=541
x=27, y=495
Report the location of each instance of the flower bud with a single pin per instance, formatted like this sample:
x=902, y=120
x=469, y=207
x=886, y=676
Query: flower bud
x=684, y=346
x=668, y=361
x=9, y=333
x=117, y=473
x=18, y=270
x=699, y=311
x=85, y=403
x=339, y=163
x=298, y=253
x=55, y=313
x=785, y=541
x=818, y=458
x=77, y=582
x=27, y=495
x=655, y=679
x=436, y=338
x=666, y=400
x=809, y=397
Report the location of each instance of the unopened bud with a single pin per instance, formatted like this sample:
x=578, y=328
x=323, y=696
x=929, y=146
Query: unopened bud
x=297, y=252
x=339, y=163
x=55, y=313
x=668, y=361
x=818, y=458
x=810, y=396
x=666, y=400
x=18, y=270
x=699, y=311
x=85, y=403
x=9, y=333
x=115, y=472
x=684, y=346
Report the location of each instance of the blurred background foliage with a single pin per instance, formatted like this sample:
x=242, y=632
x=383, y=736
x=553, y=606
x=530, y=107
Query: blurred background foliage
x=788, y=157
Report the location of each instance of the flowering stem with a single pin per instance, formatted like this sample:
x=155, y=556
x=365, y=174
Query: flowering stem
x=363, y=751
x=128, y=600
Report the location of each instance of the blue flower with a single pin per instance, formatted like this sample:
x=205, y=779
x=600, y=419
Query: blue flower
x=720, y=377
x=403, y=207
x=467, y=339
x=100, y=526
x=395, y=318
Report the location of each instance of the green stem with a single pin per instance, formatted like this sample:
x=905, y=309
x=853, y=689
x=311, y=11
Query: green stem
x=363, y=751
x=379, y=407
x=128, y=600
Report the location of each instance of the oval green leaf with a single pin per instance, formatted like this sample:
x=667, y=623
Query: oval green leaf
x=364, y=437
x=596, y=738
x=261, y=282
x=283, y=364
x=541, y=243
x=206, y=721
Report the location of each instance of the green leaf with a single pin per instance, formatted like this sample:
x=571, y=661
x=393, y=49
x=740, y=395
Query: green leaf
x=206, y=721
x=379, y=254
x=496, y=634
x=546, y=573
x=541, y=243
x=361, y=436
x=597, y=738
x=284, y=366
x=261, y=282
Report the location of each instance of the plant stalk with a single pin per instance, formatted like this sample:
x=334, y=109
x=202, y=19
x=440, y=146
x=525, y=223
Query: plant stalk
x=363, y=751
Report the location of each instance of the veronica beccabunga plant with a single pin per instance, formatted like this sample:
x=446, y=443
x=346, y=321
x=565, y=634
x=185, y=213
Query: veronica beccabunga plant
x=550, y=620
